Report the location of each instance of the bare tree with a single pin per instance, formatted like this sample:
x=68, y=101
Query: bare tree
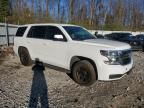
x=47, y=10
x=58, y=6
x=32, y=6
x=92, y=11
x=71, y=10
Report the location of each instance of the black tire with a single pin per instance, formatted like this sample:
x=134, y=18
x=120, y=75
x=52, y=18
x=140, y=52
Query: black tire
x=25, y=57
x=142, y=48
x=84, y=73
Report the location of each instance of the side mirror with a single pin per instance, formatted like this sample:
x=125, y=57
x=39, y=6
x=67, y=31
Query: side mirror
x=58, y=37
x=95, y=33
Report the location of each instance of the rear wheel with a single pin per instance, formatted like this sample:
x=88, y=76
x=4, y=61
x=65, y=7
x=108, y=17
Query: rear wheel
x=84, y=73
x=25, y=57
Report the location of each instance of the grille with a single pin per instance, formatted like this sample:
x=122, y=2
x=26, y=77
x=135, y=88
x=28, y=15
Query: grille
x=125, y=57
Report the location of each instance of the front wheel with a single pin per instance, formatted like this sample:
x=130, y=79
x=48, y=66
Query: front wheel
x=84, y=73
x=143, y=48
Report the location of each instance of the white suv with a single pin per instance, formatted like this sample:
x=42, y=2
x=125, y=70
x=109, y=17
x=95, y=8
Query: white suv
x=73, y=48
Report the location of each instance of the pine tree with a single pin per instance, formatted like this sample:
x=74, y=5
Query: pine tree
x=4, y=4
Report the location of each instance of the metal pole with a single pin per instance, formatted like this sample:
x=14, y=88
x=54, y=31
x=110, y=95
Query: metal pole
x=7, y=32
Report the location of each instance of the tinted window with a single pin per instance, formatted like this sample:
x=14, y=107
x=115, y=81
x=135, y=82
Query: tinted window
x=51, y=31
x=140, y=36
x=118, y=36
x=21, y=31
x=121, y=35
x=37, y=32
x=44, y=32
x=109, y=36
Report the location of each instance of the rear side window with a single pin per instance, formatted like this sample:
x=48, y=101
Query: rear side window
x=37, y=32
x=21, y=31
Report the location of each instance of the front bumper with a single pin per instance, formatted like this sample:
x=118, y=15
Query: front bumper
x=113, y=72
x=118, y=76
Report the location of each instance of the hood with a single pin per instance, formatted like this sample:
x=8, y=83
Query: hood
x=108, y=43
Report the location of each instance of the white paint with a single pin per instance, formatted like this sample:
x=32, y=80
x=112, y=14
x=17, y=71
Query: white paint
x=59, y=53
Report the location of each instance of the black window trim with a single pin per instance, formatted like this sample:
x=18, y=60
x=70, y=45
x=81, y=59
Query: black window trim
x=65, y=39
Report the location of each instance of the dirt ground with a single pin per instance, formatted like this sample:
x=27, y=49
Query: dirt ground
x=34, y=87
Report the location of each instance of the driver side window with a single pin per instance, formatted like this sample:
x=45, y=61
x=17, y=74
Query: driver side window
x=52, y=31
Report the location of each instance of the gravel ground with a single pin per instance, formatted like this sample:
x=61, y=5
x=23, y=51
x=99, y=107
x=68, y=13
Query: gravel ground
x=33, y=87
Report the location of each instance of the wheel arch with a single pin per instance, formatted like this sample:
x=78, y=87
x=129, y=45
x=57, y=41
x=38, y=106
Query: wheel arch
x=75, y=59
x=25, y=58
x=23, y=47
x=20, y=48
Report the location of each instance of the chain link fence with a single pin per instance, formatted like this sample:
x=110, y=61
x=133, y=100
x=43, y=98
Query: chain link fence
x=7, y=33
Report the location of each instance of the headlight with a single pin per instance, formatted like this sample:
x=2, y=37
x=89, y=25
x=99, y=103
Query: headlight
x=113, y=57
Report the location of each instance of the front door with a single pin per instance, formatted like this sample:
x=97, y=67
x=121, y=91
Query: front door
x=55, y=50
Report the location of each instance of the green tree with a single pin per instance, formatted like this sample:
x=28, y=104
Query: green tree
x=4, y=5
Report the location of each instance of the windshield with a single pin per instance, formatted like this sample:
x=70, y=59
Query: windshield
x=140, y=36
x=78, y=33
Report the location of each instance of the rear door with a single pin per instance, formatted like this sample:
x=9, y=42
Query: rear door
x=35, y=42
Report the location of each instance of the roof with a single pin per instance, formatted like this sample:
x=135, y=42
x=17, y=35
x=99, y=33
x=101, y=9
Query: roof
x=54, y=24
